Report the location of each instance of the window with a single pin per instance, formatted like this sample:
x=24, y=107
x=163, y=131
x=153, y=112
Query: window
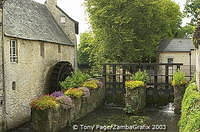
x=62, y=19
x=13, y=85
x=42, y=49
x=13, y=51
x=170, y=60
x=59, y=49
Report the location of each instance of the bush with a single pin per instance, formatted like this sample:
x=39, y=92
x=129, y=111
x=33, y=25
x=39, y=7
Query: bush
x=190, y=116
x=92, y=84
x=44, y=102
x=57, y=94
x=65, y=101
x=74, y=92
x=134, y=84
x=179, y=79
x=141, y=76
x=75, y=80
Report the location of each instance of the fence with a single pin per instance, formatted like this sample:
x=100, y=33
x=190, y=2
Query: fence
x=161, y=76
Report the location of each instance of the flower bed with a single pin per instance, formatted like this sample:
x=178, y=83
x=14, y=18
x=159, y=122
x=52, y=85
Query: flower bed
x=50, y=113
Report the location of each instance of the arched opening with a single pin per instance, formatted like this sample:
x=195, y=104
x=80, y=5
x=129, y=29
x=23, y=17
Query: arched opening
x=59, y=72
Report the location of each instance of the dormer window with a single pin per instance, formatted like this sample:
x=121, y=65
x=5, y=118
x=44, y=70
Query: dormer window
x=13, y=51
x=62, y=20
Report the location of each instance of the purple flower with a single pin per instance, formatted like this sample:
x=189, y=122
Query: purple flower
x=57, y=94
x=65, y=101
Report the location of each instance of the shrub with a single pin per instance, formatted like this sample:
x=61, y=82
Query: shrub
x=74, y=92
x=75, y=80
x=129, y=110
x=65, y=101
x=57, y=94
x=92, y=84
x=190, y=116
x=141, y=76
x=134, y=84
x=86, y=91
x=179, y=79
x=44, y=102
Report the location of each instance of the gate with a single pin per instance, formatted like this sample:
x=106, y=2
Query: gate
x=159, y=89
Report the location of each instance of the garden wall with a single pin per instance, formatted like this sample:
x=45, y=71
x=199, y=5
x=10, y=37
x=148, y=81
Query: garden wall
x=52, y=120
x=190, y=116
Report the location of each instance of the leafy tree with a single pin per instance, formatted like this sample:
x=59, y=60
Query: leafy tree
x=85, y=48
x=192, y=9
x=130, y=30
x=185, y=32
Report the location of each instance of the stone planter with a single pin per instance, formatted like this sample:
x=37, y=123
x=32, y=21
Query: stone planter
x=53, y=120
x=136, y=99
x=178, y=96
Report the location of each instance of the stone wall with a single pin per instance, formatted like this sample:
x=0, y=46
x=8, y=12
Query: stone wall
x=198, y=67
x=1, y=73
x=53, y=120
x=179, y=57
x=30, y=75
x=69, y=25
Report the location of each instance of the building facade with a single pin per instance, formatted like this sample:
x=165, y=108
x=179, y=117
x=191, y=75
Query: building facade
x=34, y=37
x=178, y=51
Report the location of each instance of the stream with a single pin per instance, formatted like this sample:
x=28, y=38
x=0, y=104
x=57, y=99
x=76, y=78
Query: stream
x=161, y=119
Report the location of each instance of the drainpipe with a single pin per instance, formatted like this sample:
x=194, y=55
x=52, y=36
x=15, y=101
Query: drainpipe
x=190, y=65
x=3, y=71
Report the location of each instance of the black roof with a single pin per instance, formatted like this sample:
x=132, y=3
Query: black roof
x=176, y=45
x=31, y=20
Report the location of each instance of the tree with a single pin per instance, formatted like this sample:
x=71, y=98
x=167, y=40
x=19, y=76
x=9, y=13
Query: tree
x=130, y=30
x=192, y=9
x=85, y=48
x=186, y=31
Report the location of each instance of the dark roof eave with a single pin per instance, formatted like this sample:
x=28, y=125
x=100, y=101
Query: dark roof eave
x=76, y=22
x=68, y=44
x=173, y=51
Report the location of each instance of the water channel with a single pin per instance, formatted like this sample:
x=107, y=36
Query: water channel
x=162, y=119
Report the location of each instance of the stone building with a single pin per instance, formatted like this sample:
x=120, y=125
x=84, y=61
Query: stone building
x=178, y=51
x=34, y=38
x=196, y=40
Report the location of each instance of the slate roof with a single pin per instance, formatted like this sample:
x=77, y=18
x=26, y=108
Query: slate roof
x=176, y=45
x=30, y=20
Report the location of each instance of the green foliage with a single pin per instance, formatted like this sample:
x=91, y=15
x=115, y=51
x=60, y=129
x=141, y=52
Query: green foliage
x=44, y=102
x=74, y=92
x=192, y=10
x=75, y=80
x=92, y=84
x=130, y=31
x=129, y=110
x=190, y=116
x=179, y=79
x=85, y=48
x=141, y=76
x=134, y=84
x=185, y=32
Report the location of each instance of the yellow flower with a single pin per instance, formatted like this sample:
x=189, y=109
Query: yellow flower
x=74, y=92
x=134, y=84
x=93, y=84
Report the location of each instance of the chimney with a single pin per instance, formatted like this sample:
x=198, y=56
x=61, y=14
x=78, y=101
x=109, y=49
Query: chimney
x=51, y=4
